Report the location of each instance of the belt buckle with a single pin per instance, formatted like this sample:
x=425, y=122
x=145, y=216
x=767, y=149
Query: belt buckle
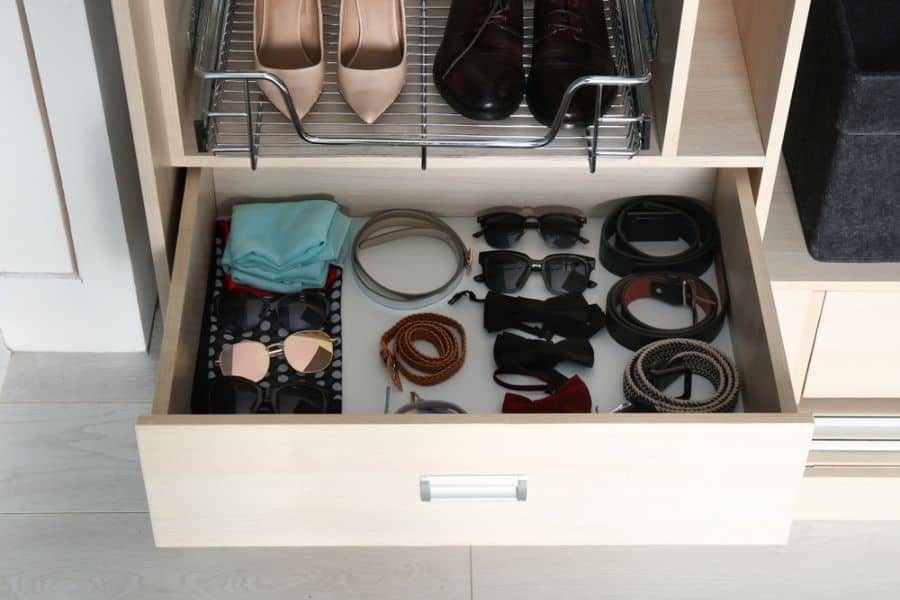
x=663, y=376
x=673, y=289
x=650, y=222
x=678, y=290
x=393, y=367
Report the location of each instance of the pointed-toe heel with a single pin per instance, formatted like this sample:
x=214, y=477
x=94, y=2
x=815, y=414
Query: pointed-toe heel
x=372, y=63
x=288, y=43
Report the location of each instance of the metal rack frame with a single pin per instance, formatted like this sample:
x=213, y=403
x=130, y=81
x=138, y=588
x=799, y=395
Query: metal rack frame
x=235, y=117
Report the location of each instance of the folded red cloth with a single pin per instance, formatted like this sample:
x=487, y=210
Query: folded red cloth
x=233, y=286
x=572, y=396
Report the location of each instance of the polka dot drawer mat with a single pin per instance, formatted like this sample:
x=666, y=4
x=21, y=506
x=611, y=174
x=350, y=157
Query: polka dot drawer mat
x=213, y=339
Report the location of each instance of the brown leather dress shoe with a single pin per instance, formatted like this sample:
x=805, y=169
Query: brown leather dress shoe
x=570, y=41
x=478, y=67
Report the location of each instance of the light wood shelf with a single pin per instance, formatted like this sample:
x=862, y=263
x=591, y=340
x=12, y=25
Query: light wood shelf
x=719, y=116
x=479, y=162
x=792, y=267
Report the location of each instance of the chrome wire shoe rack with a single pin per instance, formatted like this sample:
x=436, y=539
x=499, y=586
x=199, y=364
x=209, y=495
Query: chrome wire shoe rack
x=235, y=118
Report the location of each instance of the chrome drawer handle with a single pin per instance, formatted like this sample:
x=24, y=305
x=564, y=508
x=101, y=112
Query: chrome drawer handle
x=469, y=488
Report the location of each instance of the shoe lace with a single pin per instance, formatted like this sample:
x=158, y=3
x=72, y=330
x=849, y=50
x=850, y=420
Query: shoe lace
x=566, y=18
x=498, y=14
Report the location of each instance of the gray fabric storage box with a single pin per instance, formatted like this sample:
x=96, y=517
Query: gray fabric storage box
x=842, y=144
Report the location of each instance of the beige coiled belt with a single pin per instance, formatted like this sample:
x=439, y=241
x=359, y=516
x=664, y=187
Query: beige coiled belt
x=396, y=224
x=656, y=365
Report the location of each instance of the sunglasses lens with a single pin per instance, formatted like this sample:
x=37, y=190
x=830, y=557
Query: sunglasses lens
x=239, y=312
x=247, y=359
x=566, y=274
x=309, y=351
x=505, y=273
x=303, y=311
x=302, y=400
x=560, y=231
x=503, y=230
x=232, y=396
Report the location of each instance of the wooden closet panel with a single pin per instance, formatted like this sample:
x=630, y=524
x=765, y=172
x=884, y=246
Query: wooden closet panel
x=719, y=117
x=161, y=183
x=772, y=36
x=857, y=348
x=455, y=191
x=676, y=21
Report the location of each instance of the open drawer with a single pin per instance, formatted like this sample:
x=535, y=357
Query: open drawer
x=376, y=479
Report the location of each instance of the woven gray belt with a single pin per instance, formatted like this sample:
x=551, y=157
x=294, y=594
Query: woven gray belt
x=655, y=366
x=396, y=224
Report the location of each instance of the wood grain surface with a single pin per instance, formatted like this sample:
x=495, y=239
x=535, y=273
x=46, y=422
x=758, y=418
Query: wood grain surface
x=110, y=556
x=69, y=457
x=824, y=561
x=719, y=116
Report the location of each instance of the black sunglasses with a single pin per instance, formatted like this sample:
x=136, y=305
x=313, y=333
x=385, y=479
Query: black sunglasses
x=239, y=311
x=239, y=396
x=503, y=229
x=506, y=272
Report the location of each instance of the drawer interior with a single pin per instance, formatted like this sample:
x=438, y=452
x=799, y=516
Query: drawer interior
x=750, y=336
x=599, y=478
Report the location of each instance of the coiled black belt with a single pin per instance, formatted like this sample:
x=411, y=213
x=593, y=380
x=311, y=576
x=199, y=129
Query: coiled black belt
x=658, y=219
x=654, y=367
x=678, y=289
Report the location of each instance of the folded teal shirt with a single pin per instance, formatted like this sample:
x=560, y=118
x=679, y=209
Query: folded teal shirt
x=285, y=247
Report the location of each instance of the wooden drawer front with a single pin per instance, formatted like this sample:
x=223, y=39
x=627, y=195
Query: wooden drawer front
x=357, y=479
x=853, y=389
x=840, y=492
x=633, y=481
x=857, y=348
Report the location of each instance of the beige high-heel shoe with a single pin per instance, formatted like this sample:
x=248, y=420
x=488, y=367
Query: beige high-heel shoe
x=372, y=45
x=288, y=43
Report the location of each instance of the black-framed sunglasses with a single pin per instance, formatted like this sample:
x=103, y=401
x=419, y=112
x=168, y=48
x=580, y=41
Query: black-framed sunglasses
x=559, y=227
x=239, y=311
x=506, y=271
x=239, y=396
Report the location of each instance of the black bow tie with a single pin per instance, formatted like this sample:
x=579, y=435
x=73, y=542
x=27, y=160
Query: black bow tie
x=567, y=316
x=512, y=351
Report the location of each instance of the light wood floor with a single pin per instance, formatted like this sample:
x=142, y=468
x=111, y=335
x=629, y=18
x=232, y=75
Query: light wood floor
x=73, y=526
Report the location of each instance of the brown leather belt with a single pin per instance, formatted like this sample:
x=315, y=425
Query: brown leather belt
x=446, y=335
x=679, y=289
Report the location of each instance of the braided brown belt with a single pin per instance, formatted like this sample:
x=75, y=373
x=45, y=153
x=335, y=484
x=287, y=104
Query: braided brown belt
x=446, y=335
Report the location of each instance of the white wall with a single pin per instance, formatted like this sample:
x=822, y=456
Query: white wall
x=27, y=170
x=107, y=304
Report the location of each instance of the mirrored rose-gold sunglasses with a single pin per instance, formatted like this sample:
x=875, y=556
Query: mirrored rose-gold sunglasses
x=305, y=351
